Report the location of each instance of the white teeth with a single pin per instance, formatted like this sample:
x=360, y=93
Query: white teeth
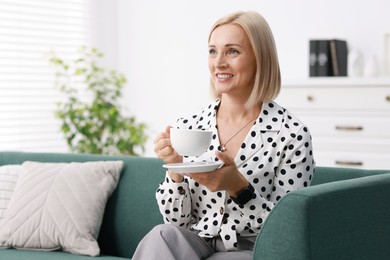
x=224, y=76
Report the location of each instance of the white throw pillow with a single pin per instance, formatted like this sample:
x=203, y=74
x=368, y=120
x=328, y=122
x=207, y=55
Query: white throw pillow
x=59, y=206
x=8, y=178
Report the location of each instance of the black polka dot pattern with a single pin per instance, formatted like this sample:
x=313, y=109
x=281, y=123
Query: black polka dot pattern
x=276, y=157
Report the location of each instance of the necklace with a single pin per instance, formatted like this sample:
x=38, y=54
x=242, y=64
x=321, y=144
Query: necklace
x=223, y=146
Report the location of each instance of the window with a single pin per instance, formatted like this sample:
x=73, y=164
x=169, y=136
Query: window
x=29, y=30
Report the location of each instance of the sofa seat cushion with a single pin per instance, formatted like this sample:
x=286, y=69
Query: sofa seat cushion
x=13, y=254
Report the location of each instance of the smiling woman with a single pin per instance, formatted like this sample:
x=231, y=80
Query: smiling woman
x=264, y=152
x=29, y=30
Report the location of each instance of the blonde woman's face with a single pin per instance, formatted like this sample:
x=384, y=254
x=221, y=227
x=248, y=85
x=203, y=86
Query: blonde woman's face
x=231, y=61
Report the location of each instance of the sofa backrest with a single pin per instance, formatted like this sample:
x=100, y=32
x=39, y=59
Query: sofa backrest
x=330, y=174
x=131, y=210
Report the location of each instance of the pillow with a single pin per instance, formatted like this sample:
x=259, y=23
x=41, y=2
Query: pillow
x=8, y=177
x=59, y=206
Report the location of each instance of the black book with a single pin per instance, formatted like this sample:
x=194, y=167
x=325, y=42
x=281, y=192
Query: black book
x=324, y=67
x=339, y=57
x=313, y=60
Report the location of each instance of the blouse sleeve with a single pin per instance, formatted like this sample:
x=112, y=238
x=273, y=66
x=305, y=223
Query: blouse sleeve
x=174, y=202
x=173, y=198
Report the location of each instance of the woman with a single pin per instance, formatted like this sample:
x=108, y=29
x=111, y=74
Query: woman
x=266, y=151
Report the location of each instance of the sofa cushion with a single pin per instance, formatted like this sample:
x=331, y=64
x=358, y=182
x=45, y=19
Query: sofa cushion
x=8, y=176
x=59, y=206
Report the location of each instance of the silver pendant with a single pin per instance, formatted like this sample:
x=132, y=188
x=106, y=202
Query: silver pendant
x=223, y=148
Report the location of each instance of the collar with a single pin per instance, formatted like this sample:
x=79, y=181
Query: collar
x=270, y=118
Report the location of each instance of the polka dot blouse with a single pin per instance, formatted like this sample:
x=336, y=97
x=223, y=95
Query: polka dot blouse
x=276, y=158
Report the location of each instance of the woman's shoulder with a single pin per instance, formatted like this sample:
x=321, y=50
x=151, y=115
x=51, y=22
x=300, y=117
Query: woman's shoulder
x=201, y=119
x=290, y=121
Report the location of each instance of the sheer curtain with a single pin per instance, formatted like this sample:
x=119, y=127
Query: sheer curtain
x=29, y=30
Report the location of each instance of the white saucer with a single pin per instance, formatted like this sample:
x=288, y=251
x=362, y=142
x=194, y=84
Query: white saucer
x=190, y=167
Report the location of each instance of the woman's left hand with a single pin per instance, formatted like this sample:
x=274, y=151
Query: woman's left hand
x=226, y=178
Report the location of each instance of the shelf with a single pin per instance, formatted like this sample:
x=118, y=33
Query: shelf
x=336, y=82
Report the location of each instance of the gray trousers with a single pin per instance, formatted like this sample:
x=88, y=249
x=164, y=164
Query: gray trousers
x=168, y=242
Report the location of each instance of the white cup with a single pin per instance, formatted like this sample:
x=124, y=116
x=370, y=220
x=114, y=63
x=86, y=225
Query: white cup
x=190, y=142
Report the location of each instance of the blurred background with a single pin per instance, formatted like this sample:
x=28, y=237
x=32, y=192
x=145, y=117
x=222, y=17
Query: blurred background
x=160, y=47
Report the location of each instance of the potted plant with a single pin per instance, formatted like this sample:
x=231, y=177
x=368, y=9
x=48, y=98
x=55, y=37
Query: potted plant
x=91, y=116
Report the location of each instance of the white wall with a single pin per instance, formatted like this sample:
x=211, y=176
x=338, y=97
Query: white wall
x=161, y=46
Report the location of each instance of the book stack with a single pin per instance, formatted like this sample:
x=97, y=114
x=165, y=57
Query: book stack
x=328, y=58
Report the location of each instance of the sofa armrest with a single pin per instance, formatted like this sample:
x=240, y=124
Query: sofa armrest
x=341, y=220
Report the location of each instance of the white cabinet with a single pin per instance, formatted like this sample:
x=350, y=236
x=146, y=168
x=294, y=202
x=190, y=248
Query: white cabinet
x=349, y=119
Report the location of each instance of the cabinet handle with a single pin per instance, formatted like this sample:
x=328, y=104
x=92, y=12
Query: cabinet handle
x=349, y=163
x=349, y=128
x=310, y=98
x=388, y=98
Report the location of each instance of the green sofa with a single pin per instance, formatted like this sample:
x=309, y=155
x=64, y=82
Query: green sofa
x=344, y=215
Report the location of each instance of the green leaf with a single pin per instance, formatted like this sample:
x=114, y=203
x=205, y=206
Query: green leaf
x=80, y=71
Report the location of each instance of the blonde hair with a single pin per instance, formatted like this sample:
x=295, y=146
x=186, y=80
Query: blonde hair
x=267, y=79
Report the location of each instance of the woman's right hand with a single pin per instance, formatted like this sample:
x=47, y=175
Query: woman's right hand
x=164, y=151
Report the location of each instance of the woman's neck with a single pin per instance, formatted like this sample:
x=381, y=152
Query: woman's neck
x=234, y=110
